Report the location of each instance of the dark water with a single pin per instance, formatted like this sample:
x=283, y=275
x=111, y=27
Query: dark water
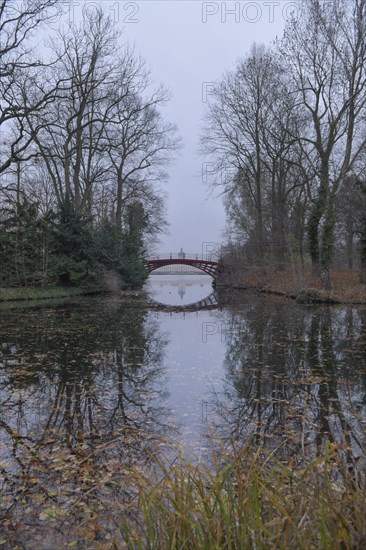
x=101, y=382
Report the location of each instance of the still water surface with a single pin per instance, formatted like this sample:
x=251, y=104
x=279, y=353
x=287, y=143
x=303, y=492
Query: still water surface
x=117, y=378
x=179, y=290
x=251, y=366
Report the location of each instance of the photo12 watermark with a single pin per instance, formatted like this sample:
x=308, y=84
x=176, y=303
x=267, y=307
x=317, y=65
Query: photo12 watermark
x=209, y=89
x=208, y=409
x=212, y=174
x=248, y=12
x=225, y=252
x=220, y=330
x=72, y=11
x=213, y=89
x=211, y=250
x=214, y=410
x=119, y=12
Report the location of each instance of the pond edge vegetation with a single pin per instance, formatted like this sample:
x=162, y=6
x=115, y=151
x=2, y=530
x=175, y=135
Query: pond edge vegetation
x=249, y=499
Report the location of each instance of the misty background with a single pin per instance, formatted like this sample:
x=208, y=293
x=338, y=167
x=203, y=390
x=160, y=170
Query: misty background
x=188, y=45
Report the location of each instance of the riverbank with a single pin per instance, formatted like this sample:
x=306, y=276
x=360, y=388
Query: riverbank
x=33, y=295
x=303, y=286
x=291, y=284
x=244, y=499
x=42, y=293
x=30, y=293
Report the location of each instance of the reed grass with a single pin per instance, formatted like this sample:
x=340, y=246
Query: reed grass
x=248, y=501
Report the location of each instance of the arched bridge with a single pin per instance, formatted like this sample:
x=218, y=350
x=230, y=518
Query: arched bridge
x=205, y=263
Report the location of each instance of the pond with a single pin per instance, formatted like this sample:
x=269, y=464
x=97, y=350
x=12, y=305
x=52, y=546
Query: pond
x=92, y=386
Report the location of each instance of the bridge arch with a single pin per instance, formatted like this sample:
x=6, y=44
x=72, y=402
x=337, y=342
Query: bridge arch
x=210, y=267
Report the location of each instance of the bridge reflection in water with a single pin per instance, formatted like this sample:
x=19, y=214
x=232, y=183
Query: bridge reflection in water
x=210, y=302
x=176, y=292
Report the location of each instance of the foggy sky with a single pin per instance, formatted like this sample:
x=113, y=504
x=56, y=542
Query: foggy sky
x=187, y=45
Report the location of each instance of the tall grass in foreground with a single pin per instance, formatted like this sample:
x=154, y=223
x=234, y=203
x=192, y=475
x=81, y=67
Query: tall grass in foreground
x=247, y=501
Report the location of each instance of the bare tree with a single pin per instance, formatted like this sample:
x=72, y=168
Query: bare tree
x=256, y=158
x=139, y=142
x=324, y=49
x=232, y=137
x=103, y=137
x=20, y=69
x=70, y=138
x=363, y=238
x=360, y=177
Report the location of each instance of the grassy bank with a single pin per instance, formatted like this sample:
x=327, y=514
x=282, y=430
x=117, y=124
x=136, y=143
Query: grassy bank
x=41, y=293
x=246, y=502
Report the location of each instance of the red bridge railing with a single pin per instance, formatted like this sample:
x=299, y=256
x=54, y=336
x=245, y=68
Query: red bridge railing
x=213, y=257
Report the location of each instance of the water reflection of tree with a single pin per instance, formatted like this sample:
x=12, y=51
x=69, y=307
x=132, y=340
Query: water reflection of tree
x=294, y=378
x=82, y=396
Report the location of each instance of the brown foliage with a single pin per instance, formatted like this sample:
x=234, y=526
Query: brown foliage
x=346, y=286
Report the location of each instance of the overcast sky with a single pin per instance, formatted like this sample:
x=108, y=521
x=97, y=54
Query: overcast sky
x=187, y=44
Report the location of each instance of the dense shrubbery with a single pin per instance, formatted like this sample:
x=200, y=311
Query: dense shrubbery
x=24, y=245
x=67, y=248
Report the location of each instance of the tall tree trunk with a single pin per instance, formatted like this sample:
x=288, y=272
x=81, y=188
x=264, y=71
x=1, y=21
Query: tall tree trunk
x=327, y=241
x=349, y=242
x=119, y=198
x=77, y=165
x=316, y=244
x=67, y=172
x=258, y=190
x=363, y=251
x=316, y=213
x=278, y=212
x=363, y=236
x=281, y=232
x=259, y=224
